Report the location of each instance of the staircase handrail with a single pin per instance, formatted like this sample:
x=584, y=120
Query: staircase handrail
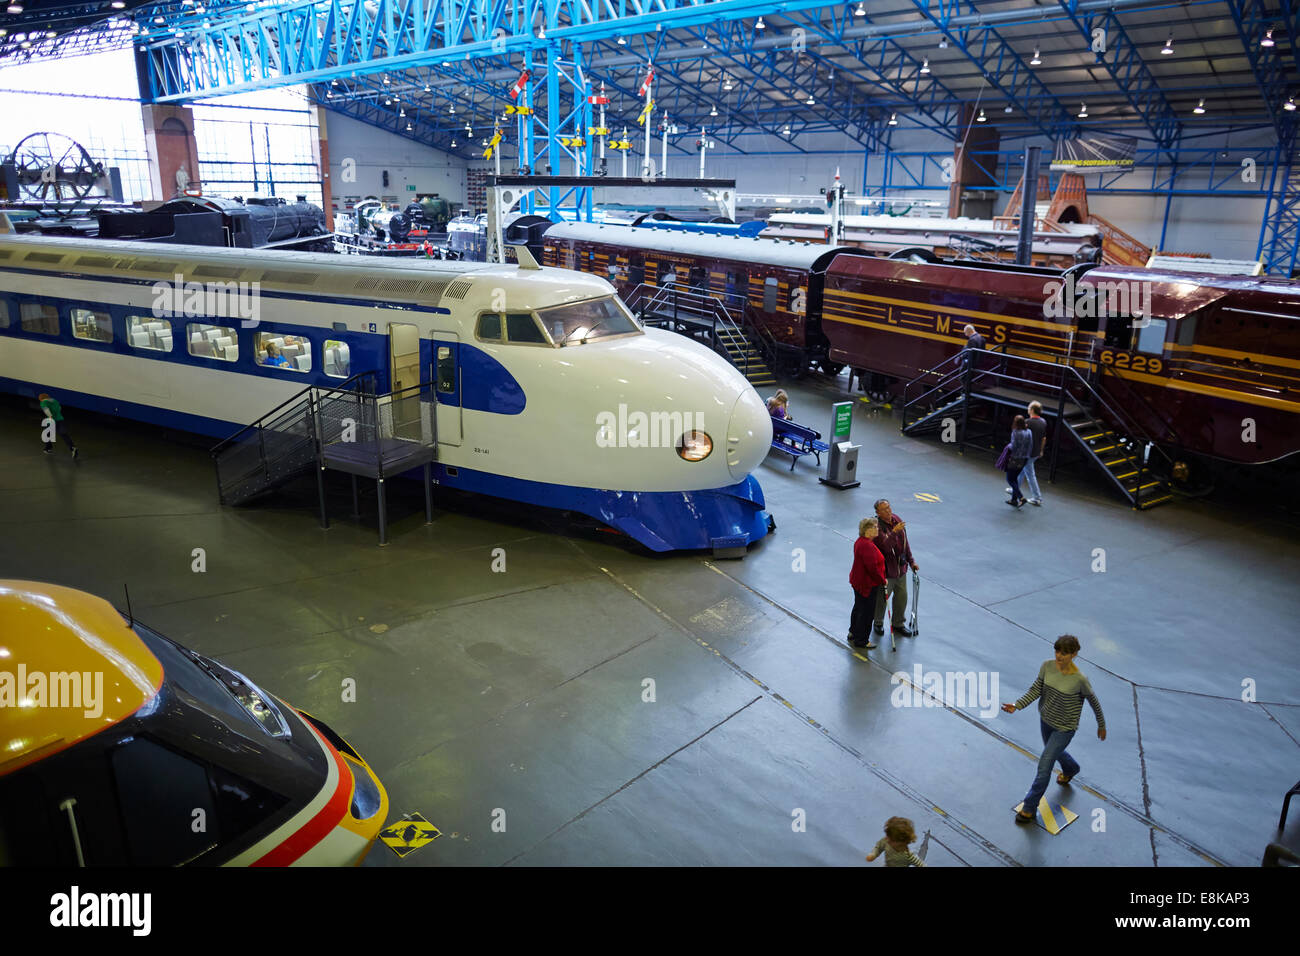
x=298, y=397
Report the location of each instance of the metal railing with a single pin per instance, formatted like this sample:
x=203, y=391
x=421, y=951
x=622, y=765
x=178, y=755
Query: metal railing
x=971, y=370
x=726, y=324
x=278, y=445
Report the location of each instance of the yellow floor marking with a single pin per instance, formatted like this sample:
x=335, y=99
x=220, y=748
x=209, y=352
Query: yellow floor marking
x=926, y=496
x=409, y=834
x=1047, y=819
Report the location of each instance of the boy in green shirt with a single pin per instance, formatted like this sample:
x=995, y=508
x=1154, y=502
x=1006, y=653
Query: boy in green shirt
x=54, y=416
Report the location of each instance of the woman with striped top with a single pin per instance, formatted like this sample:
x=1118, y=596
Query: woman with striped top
x=1060, y=690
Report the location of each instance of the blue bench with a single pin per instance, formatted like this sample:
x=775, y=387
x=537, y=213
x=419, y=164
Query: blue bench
x=797, y=440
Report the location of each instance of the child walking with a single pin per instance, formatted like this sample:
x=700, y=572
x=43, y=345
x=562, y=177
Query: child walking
x=896, y=844
x=54, y=414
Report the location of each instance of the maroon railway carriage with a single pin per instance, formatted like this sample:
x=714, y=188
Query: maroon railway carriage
x=1214, y=360
x=778, y=282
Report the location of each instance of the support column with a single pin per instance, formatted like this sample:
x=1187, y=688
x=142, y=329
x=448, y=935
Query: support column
x=321, y=154
x=173, y=150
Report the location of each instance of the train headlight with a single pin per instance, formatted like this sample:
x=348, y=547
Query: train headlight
x=694, y=446
x=366, y=798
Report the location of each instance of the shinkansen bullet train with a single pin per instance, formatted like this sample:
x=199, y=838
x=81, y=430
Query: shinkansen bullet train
x=548, y=389
x=119, y=747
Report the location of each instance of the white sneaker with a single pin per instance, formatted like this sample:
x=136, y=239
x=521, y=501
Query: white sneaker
x=1036, y=501
x=1007, y=489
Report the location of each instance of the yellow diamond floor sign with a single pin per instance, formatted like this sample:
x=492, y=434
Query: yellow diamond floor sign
x=1052, y=819
x=926, y=496
x=409, y=834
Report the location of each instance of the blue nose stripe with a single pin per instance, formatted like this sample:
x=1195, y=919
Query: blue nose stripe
x=486, y=385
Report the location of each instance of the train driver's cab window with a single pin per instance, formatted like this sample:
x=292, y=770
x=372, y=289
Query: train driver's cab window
x=338, y=358
x=1151, y=338
x=522, y=327
x=1119, y=331
x=93, y=326
x=146, y=332
x=636, y=269
x=770, y=289
x=279, y=350
x=218, y=342
x=489, y=327
x=39, y=318
x=579, y=322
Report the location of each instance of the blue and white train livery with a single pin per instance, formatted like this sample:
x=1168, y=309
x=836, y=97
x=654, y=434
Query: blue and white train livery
x=548, y=390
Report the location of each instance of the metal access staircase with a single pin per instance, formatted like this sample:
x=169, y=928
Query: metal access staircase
x=696, y=313
x=348, y=428
x=1098, y=415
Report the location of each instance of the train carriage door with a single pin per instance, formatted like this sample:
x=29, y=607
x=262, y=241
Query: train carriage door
x=447, y=383
x=403, y=356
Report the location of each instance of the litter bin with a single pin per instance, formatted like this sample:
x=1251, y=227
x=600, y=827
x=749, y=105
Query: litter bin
x=842, y=466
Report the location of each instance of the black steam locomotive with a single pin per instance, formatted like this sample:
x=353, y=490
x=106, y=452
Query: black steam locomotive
x=255, y=223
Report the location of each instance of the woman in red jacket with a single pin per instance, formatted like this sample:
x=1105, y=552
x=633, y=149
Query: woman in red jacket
x=867, y=577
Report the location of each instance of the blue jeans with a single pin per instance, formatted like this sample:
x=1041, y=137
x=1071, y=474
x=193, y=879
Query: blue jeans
x=1013, y=479
x=1031, y=479
x=1054, y=744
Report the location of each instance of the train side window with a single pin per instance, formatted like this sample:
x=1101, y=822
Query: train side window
x=39, y=318
x=489, y=327
x=218, y=342
x=1187, y=330
x=446, y=370
x=770, y=289
x=277, y=350
x=636, y=269
x=1151, y=339
x=92, y=326
x=699, y=278
x=1119, y=331
x=522, y=327
x=338, y=358
x=4, y=314
x=146, y=332
x=158, y=792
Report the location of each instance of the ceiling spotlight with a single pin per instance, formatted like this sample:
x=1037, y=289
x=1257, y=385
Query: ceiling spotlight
x=1268, y=38
x=158, y=20
x=329, y=95
x=118, y=4
x=786, y=131
x=401, y=114
x=1083, y=111
x=1007, y=108
x=1200, y=108
x=408, y=127
x=622, y=41
x=760, y=25
x=727, y=84
x=925, y=67
x=810, y=101
x=50, y=34
x=1289, y=105
x=981, y=118
x=427, y=88
x=396, y=98
x=714, y=111
x=451, y=108
x=943, y=43
x=26, y=44
x=15, y=8
x=385, y=79
x=1037, y=60
x=541, y=35
x=188, y=3
x=1168, y=48
x=893, y=119
x=200, y=9
x=861, y=11
x=334, y=82
x=453, y=144
x=250, y=7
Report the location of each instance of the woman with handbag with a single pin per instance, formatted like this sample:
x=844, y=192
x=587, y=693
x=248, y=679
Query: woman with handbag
x=1015, y=456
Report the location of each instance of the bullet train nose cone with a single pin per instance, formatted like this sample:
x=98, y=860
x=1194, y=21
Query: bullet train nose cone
x=749, y=434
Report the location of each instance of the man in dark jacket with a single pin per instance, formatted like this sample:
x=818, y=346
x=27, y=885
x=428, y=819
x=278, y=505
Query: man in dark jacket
x=893, y=545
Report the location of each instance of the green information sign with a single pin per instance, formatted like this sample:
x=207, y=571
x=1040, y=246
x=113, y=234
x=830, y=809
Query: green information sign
x=410, y=188
x=843, y=420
